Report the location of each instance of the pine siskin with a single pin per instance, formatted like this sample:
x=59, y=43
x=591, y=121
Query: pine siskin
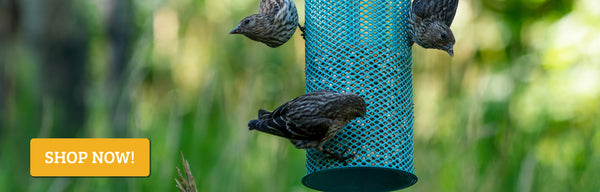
x=310, y=120
x=430, y=22
x=274, y=24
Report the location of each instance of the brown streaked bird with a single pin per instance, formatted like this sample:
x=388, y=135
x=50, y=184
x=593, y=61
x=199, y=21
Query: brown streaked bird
x=273, y=25
x=310, y=120
x=429, y=24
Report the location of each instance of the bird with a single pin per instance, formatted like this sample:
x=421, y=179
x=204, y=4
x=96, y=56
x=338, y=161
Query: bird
x=310, y=120
x=429, y=24
x=273, y=25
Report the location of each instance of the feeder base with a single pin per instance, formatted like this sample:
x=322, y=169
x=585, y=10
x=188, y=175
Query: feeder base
x=359, y=179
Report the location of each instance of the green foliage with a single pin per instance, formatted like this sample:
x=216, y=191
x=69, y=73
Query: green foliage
x=516, y=109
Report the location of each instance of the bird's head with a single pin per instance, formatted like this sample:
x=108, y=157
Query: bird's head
x=355, y=106
x=440, y=37
x=251, y=25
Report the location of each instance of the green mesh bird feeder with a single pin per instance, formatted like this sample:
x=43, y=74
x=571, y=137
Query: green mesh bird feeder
x=361, y=46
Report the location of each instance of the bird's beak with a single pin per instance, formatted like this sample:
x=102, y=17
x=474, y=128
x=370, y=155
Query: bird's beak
x=237, y=30
x=450, y=50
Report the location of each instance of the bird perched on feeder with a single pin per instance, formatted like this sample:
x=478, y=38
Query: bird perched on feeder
x=310, y=120
x=429, y=24
x=274, y=24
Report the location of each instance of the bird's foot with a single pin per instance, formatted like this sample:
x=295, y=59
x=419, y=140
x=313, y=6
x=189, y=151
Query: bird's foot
x=302, y=29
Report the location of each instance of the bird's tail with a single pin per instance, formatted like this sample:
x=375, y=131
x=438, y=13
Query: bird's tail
x=257, y=124
x=265, y=123
x=267, y=126
x=263, y=114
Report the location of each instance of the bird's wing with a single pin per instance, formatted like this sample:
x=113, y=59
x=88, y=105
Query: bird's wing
x=449, y=11
x=269, y=6
x=421, y=8
x=281, y=110
x=443, y=10
x=278, y=123
x=285, y=7
x=300, y=122
x=313, y=129
x=301, y=118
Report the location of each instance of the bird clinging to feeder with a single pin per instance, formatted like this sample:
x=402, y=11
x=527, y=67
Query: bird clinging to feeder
x=273, y=25
x=310, y=120
x=430, y=22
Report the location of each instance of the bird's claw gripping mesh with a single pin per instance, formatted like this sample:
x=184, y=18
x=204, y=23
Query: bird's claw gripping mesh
x=360, y=46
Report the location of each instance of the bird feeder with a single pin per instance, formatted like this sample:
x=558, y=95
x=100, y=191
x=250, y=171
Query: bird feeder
x=362, y=46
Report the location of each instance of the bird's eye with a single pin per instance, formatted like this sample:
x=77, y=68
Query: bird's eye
x=444, y=36
x=246, y=21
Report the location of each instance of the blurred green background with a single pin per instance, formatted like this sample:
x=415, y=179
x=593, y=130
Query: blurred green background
x=516, y=109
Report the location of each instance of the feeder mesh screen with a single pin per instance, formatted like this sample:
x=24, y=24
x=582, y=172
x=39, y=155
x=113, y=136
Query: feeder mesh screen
x=361, y=46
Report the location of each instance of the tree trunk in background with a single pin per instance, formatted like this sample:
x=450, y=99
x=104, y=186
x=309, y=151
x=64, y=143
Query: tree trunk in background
x=9, y=20
x=121, y=34
x=57, y=32
x=121, y=30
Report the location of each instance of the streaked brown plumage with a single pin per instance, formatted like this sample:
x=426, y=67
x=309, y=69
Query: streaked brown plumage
x=310, y=120
x=429, y=24
x=273, y=25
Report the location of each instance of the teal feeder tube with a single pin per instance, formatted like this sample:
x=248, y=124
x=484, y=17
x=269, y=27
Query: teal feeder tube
x=361, y=46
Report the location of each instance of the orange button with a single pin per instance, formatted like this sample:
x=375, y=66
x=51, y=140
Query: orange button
x=90, y=157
